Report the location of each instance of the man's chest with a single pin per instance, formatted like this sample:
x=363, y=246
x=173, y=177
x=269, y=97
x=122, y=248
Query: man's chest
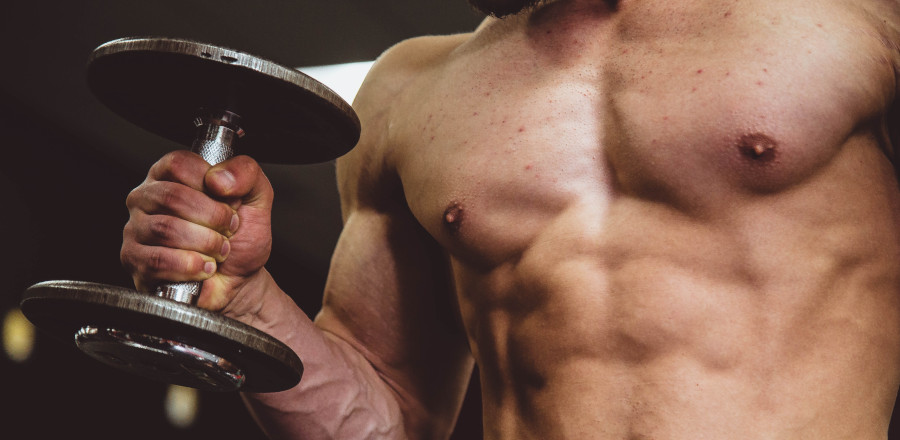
x=681, y=106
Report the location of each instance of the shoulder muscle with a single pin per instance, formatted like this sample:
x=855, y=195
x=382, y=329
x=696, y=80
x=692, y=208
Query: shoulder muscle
x=365, y=175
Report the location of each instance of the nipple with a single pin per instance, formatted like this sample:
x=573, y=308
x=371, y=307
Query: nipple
x=453, y=217
x=758, y=147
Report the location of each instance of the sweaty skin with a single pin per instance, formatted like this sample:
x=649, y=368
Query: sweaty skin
x=644, y=219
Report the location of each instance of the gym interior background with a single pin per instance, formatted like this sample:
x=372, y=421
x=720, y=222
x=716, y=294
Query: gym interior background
x=68, y=164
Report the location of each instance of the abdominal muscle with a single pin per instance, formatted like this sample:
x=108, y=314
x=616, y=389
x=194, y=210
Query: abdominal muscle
x=624, y=272
x=658, y=325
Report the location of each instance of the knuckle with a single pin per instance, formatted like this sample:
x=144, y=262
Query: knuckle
x=211, y=243
x=178, y=166
x=164, y=263
x=267, y=186
x=128, y=229
x=170, y=195
x=126, y=258
x=246, y=167
x=161, y=227
x=245, y=164
x=177, y=162
x=156, y=262
x=131, y=200
x=176, y=159
x=129, y=236
x=160, y=263
x=163, y=165
x=223, y=217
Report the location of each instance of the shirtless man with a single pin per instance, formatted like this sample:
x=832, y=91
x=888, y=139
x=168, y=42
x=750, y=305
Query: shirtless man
x=645, y=219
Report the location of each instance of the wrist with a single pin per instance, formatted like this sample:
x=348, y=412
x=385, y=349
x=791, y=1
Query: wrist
x=260, y=303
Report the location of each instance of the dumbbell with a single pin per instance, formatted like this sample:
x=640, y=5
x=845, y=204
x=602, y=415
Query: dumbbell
x=212, y=99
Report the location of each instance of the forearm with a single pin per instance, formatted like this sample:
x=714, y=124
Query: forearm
x=340, y=395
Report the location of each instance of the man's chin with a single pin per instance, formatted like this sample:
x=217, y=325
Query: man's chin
x=502, y=8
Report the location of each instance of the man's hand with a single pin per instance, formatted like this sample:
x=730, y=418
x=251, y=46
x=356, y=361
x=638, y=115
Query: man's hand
x=193, y=222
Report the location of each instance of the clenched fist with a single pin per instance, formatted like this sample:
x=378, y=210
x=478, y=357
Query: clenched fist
x=190, y=221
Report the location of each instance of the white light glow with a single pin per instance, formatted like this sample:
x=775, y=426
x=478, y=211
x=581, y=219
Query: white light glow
x=182, y=406
x=18, y=336
x=344, y=79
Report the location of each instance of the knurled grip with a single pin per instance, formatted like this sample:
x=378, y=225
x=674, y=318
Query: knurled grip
x=216, y=133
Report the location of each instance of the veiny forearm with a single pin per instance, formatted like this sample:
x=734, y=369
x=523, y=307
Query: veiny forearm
x=340, y=396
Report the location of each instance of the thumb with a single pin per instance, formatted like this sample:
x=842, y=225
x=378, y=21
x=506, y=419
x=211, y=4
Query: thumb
x=241, y=181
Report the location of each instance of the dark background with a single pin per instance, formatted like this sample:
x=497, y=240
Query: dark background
x=68, y=164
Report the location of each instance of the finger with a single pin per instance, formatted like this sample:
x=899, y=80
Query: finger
x=178, y=200
x=180, y=166
x=152, y=265
x=173, y=232
x=240, y=178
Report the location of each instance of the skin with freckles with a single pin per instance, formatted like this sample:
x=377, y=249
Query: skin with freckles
x=641, y=219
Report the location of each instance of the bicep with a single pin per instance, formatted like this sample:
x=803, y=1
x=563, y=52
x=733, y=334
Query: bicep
x=390, y=295
x=389, y=292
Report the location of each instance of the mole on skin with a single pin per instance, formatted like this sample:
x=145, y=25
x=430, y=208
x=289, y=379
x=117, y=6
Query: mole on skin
x=453, y=217
x=758, y=147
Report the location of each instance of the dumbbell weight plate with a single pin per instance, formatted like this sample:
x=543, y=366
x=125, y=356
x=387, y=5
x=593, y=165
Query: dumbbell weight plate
x=159, y=84
x=62, y=308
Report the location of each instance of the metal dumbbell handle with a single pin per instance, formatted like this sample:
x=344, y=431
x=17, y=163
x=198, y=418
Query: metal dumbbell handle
x=216, y=134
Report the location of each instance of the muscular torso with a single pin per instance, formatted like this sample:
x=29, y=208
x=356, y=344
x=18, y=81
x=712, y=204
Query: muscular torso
x=668, y=219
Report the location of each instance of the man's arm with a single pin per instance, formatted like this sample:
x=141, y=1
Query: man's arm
x=386, y=357
x=884, y=20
